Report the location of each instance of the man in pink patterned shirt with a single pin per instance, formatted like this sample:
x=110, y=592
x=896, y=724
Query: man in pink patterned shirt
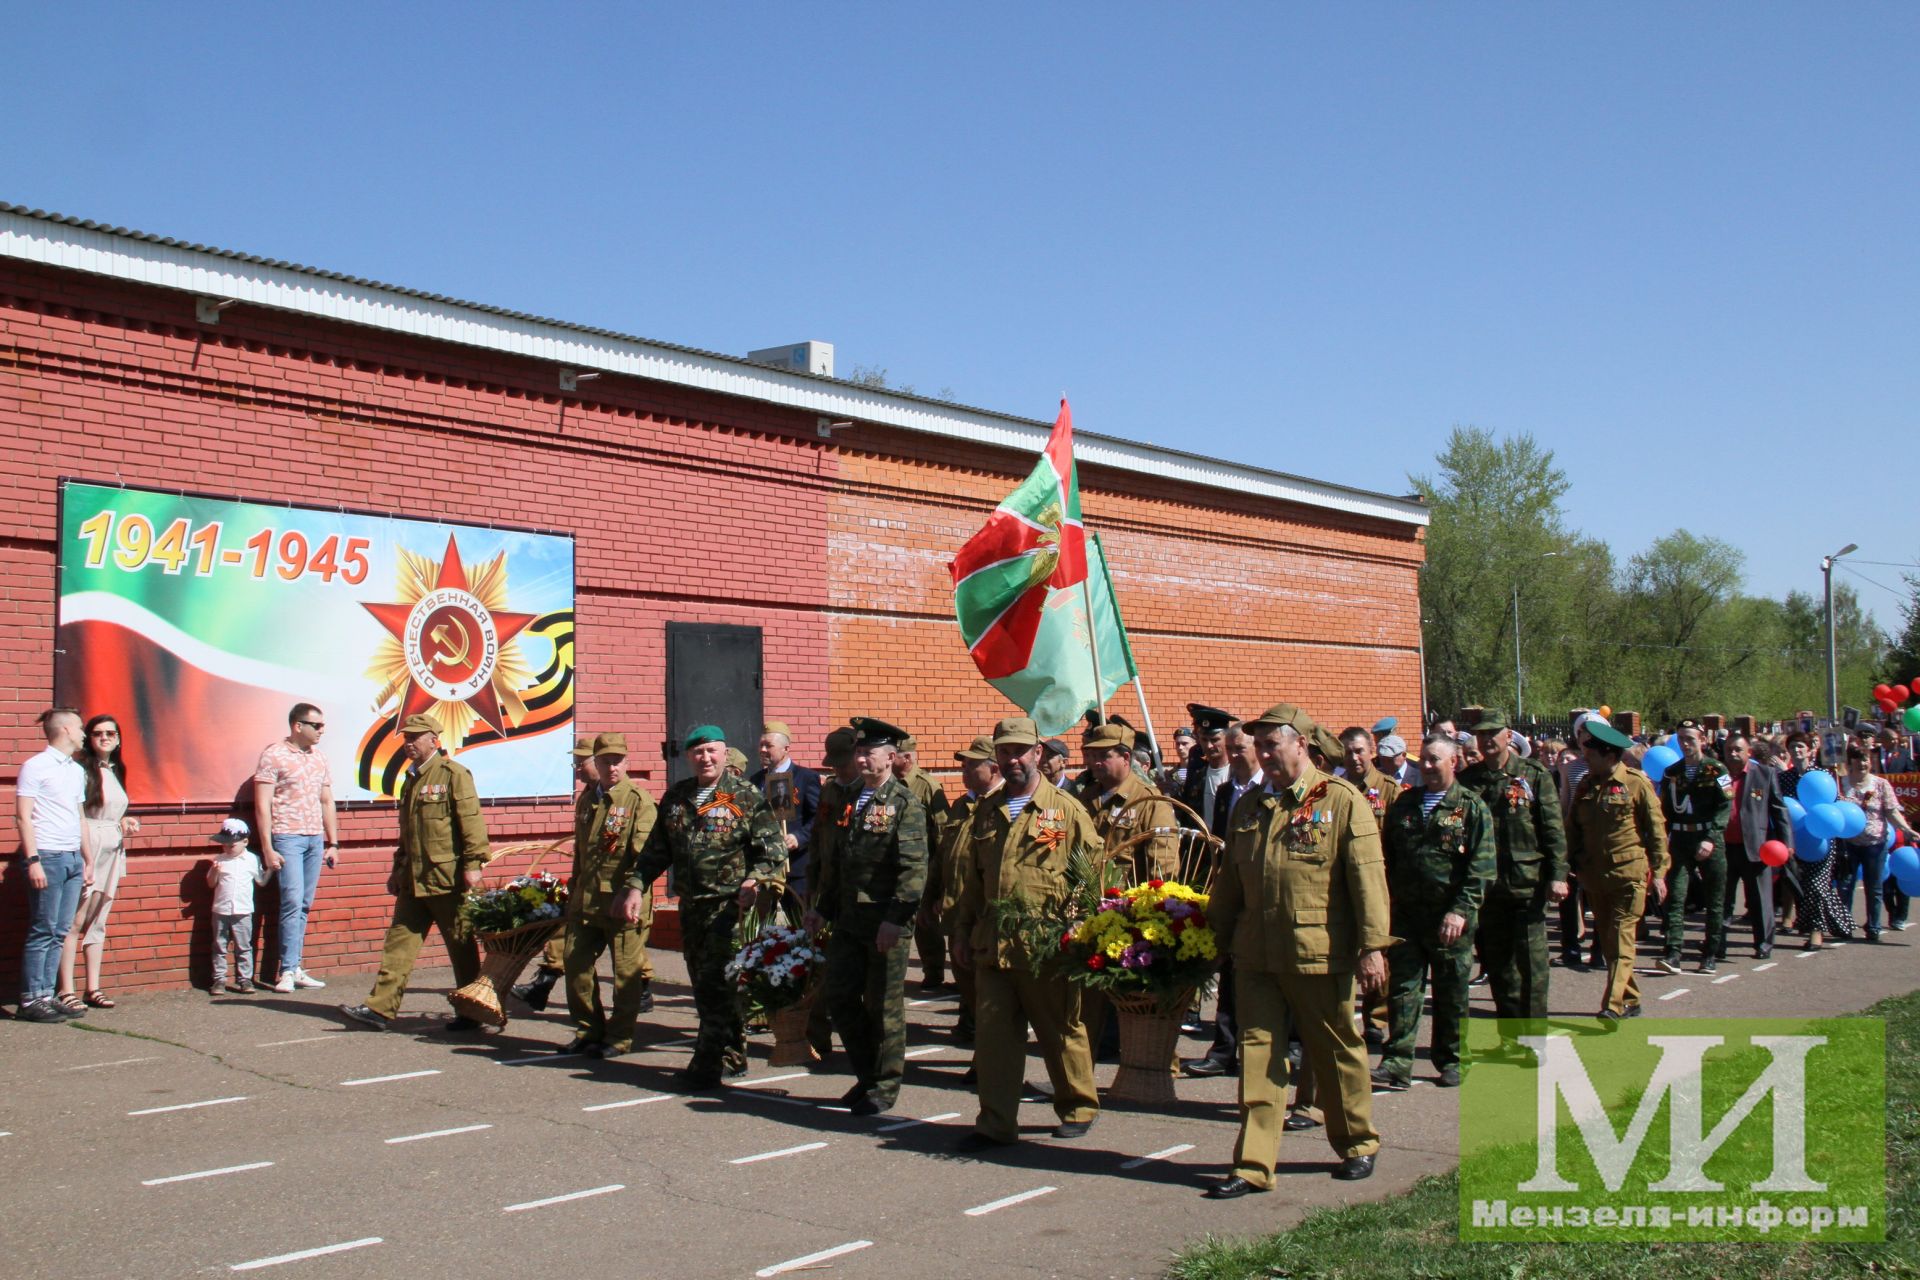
x=293, y=793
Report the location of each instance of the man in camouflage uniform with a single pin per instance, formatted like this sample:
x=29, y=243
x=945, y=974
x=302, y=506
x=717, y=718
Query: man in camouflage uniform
x=927, y=940
x=1525, y=803
x=1696, y=795
x=443, y=846
x=1440, y=859
x=870, y=893
x=1019, y=842
x=833, y=816
x=722, y=841
x=980, y=774
x=1618, y=844
x=611, y=822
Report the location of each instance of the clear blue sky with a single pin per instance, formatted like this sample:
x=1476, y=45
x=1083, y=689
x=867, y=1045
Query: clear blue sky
x=1676, y=243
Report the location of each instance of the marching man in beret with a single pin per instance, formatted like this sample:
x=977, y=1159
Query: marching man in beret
x=443, y=846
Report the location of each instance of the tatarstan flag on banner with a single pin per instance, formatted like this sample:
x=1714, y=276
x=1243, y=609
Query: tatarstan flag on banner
x=1021, y=587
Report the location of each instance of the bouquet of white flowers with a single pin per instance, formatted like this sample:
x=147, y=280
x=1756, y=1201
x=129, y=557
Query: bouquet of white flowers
x=778, y=968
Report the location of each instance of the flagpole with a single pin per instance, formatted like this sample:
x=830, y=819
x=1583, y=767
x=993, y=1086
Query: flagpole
x=1147, y=716
x=1093, y=647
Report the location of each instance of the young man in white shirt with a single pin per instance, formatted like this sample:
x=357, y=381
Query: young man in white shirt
x=58, y=850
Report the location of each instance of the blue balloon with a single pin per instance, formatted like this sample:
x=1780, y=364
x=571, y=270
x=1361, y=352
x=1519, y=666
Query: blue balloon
x=1909, y=884
x=1853, y=819
x=1657, y=761
x=1817, y=787
x=1903, y=864
x=1808, y=847
x=1796, y=812
x=1825, y=821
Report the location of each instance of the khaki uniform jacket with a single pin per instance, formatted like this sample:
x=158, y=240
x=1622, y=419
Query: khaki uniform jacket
x=441, y=830
x=1002, y=856
x=1159, y=856
x=609, y=830
x=1525, y=803
x=879, y=869
x=952, y=835
x=1615, y=823
x=1380, y=791
x=1304, y=888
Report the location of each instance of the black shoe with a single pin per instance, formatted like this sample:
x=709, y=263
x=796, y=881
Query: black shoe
x=1205, y=1068
x=733, y=1073
x=1633, y=1011
x=41, y=1010
x=1233, y=1189
x=1762, y=953
x=1571, y=960
x=1449, y=1078
x=1720, y=953
x=975, y=1142
x=534, y=993
x=1668, y=964
x=1873, y=935
x=963, y=1033
x=607, y=1052
x=579, y=1044
x=972, y=1076
x=1354, y=1168
x=853, y=1095
x=1609, y=1020
x=1384, y=1079
x=1070, y=1129
x=460, y=1022
x=646, y=998
x=1374, y=1036
x=365, y=1016
x=1299, y=1120
x=1709, y=965
x=1480, y=979
x=868, y=1105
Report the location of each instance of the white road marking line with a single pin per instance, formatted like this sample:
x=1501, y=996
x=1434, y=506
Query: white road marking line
x=1008, y=1201
x=897, y=1125
x=629, y=1102
x=275, y=1044
x=6, y=1133
x=915, y=1004
x=1676, y=994
x=775, y=1155
x=1806, y=955
x=207, y=1173
x=119, y=1062
x=322, y=1251
x=677, y=1044
x=404, y=1075
x=538, y=1057
x=186, y=1106
x=670, y=999
x=439, y=1133
x=1725, y=978
x=792, y=1075
x=1836, y=944
x=1157, y=1155
x=571, y=1195
x=1762, y=968
x=795, y=1264
x=921, y=1053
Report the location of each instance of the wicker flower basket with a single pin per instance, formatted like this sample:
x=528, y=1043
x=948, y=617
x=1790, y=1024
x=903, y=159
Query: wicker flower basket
x=1149, y=1036
x=791, y=1048
x=504, y=956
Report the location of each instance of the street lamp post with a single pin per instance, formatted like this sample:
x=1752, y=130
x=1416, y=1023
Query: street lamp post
x=1519, y=702
x=1833, y=678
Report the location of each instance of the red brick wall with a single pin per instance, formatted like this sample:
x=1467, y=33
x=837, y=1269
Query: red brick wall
x=686, y=506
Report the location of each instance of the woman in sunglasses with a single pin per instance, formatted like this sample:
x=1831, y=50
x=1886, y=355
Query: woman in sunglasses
x=105, y=812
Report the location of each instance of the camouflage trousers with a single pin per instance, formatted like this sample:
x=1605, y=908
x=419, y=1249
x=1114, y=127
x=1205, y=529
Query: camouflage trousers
x=1513, y=947
x=866, y=992
x=1408, y=963
x=706, y=939
x=1711, y=871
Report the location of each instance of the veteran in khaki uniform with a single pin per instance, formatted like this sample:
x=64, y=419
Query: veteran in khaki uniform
x=1619, y=845
x=927, y=939
x=833, y=815
x=1532, y=843
x=1019, y=841
x=611, y=822
x=443, y=846
x=722, y=842
x=1301, y=905
x=980, y=774
x=553, y=957
x=870, y=893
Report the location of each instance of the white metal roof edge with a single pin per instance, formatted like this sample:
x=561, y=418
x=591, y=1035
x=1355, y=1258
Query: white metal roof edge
x=115, y=252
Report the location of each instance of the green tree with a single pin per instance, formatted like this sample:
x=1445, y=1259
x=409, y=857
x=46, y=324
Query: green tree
x=1900, y=661
x=1682, y=626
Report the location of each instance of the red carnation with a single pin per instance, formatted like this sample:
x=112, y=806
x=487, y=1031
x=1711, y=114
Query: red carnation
x=1155, y=884
x=1097, y=962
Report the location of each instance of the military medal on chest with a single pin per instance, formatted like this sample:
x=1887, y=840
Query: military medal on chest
x=879, y=817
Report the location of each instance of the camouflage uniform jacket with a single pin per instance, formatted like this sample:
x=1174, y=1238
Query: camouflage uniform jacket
x=1443, y=861
x=879, y=867
x=712, y=847
x=1525, y=803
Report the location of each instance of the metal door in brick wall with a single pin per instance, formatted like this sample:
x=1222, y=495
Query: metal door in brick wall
x=713, y=677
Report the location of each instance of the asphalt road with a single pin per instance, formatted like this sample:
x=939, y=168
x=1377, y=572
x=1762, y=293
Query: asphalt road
x=178, y=1135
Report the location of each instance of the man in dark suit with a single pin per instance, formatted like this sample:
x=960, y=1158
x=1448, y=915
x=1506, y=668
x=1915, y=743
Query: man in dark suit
x=1759, y=815
x=1243, y=775
x=1207, y=765
x=793, y=793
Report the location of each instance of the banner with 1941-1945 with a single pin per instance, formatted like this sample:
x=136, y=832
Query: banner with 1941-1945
x=198, y=622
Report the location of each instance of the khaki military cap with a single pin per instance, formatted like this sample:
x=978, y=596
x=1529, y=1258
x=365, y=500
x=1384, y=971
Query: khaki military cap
x=583, y=747
x=907, y=742
x=1327, y=745
x=981, y=748
x=736, y=760
x=610, y=744
x=1284, y=713
x=421, y=723
x=1107, y=736
x=1015, y=731
x=777, y=726
x=839, y=747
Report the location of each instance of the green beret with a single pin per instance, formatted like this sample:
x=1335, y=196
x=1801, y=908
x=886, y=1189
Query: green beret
x=703, y=734
x=421, y=723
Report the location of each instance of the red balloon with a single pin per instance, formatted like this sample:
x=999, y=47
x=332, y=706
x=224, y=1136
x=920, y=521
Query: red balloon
x=1888, y=708
x=1915, y=686
x=1881, y=693
x=1900, y=694
x=1899, y=838
x=1774, y=853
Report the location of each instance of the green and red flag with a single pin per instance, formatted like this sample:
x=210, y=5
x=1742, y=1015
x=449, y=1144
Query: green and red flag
x=1022, y=590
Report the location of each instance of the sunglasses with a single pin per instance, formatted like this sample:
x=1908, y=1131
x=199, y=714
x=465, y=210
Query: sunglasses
x=314, y=725
x=106, y=733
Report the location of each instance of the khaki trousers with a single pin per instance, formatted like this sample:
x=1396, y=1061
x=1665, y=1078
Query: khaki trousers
x=586, y=938
x=412, y=917
x=1319, y=1007
x=1007, y=1001
x=1619, y=897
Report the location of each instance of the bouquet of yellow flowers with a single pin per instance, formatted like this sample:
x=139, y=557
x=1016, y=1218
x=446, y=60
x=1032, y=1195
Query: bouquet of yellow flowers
x=523, y=900
x=1149, y=939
